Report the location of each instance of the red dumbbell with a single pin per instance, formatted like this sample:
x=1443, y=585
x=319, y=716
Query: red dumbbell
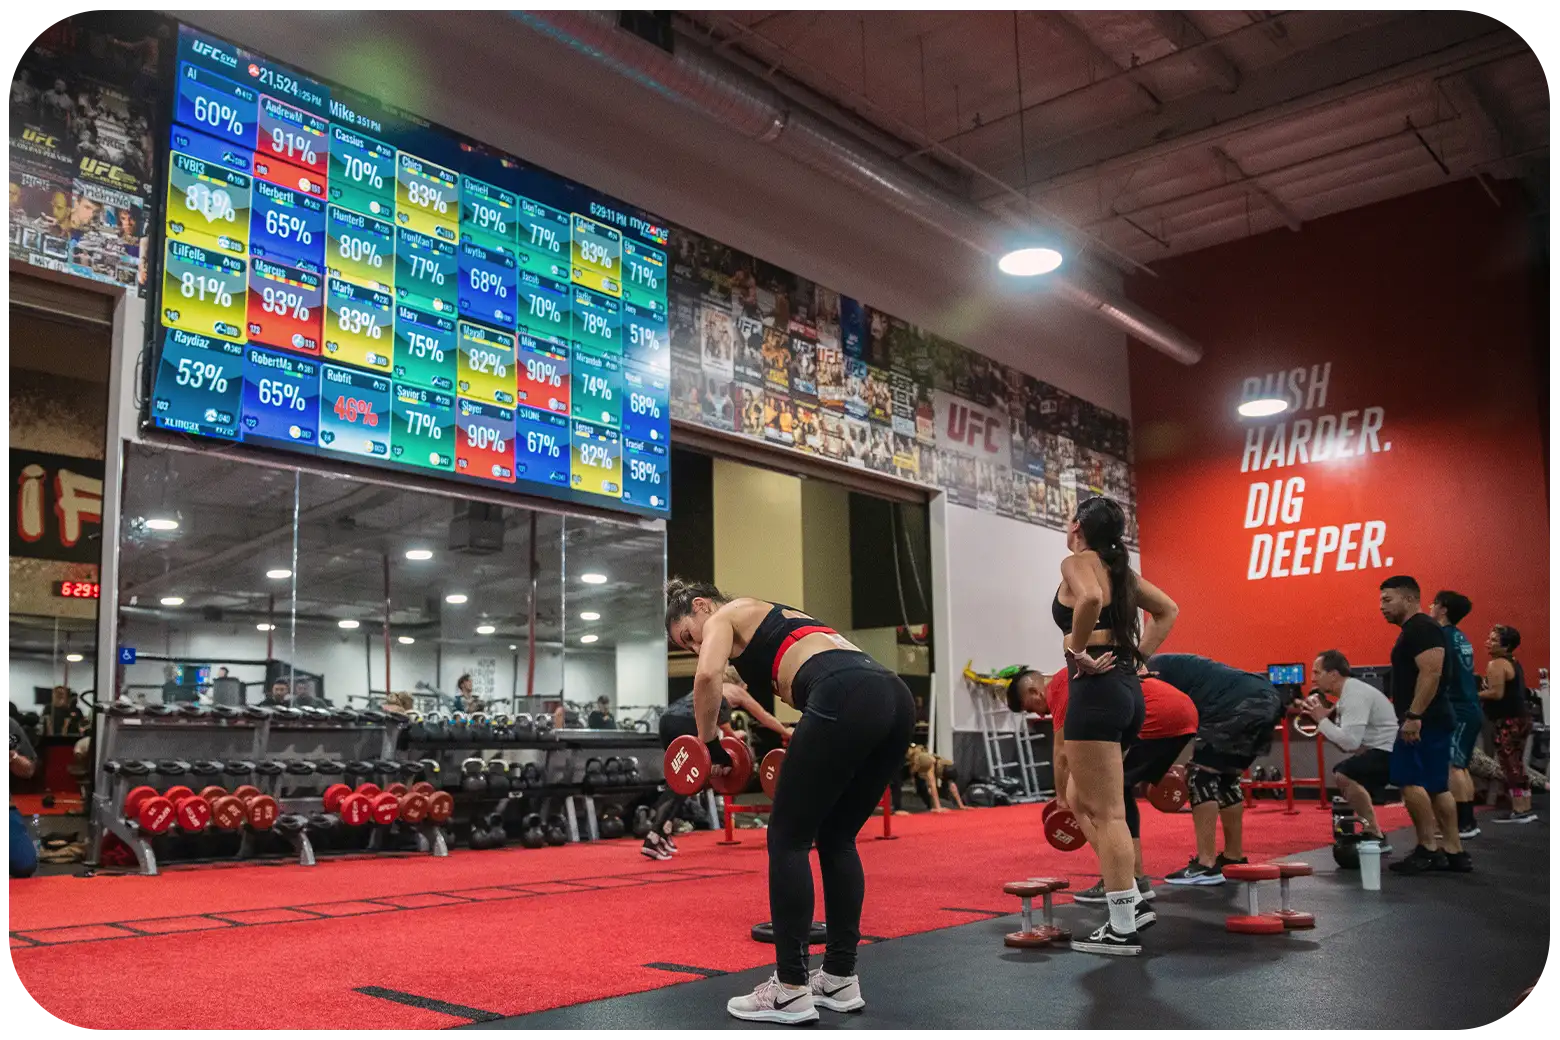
x=769, y=772
x=687, y=767
x=333, y=796
x=441, y=806
x=355, y=809
x=261, y=811
x=228, y=812
x=424, y=787
x=192, y=813
x=414, y=807
x=384, y=808
x=1172, y=791
x=148, y=810
x=212, y=793
x=1061, y=828
x=396, y=789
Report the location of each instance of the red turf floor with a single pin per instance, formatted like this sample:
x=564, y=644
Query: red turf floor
x=509, y=931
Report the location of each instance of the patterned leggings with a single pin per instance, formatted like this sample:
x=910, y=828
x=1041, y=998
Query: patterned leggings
x=1510, y=740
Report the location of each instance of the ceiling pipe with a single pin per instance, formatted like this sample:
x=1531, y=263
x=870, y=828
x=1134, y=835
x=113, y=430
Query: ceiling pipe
x=695, y=78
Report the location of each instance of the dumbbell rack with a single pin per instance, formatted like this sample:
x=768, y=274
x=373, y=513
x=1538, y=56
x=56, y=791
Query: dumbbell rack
x=194, y=732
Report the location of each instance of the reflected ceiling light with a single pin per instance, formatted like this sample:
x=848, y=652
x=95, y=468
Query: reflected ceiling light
x=455, y=597
x=590, y=615
x=419, y=554
x=513, y=646
x=74, y=658
x=589, y=639
x=347, y=623
x=594, y=579
x=405, y=640
x=161, y=523
x=278, y=573
x=172, y=601
x=486, y=630
x=1263, y=407
x=1030, y=261
x=263, y=627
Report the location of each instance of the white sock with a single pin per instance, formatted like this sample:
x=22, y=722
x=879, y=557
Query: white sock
x=1123, y=910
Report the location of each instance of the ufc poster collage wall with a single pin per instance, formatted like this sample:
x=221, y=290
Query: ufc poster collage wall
x=759, y=351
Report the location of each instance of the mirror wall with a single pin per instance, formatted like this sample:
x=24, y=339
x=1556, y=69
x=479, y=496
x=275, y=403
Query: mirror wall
x=242, y=583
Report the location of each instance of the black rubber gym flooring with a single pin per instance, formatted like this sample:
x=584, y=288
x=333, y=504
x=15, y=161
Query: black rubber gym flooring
x=1439, y=951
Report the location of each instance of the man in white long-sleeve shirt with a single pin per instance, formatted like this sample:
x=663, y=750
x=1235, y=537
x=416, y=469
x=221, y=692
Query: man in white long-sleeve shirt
x=1366, y=729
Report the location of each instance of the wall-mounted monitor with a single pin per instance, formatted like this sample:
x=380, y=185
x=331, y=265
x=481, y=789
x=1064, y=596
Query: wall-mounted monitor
x=342, y=279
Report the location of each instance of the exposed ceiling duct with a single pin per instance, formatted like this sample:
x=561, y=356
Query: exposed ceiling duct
x=698, y=79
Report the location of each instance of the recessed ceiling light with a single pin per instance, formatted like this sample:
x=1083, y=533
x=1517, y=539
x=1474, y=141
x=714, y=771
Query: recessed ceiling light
x=1263, y=407
x=172, y=601
x=594, y=579
x=405, y=640
x=513, y=646
x=419, y=554
x=589, y=639
x=161, y=523
x=1026, y=263
x=455, y=597
x=590, y=615
x=485, y=630
x=263, y=627
x=74, y=658
x=278, y=573
x=347, y=623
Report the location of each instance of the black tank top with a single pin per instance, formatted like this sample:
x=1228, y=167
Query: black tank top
x=1062, y=614
x=759, y=662
x=1513, y=700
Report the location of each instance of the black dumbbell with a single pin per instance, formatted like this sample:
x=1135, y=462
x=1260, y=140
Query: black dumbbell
x=474, y=776
x=498, y=777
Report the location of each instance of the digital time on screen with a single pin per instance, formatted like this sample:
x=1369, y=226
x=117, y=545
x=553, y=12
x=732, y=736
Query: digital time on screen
x=78, y=589
x=343, y=279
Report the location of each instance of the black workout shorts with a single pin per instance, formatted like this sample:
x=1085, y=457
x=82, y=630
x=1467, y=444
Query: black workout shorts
x=1208, y=785
x=1147, y=761
x=1104, y=707
x=1371, y=769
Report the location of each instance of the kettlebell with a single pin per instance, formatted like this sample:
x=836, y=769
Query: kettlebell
x=503, y=732
x=460, y=727
x=557, y=834
x=481, y=728
x=474, y=776
x=436, y=726
x=497, y=836
x=516, y=777
x=523, y=728
x=644, y=820
x=479, y=837
x=544, y=725
x=532, y=837
x=611, y=824
x=498, y=777
x=416, y=729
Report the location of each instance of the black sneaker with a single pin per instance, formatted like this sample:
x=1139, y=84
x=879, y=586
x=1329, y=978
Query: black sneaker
x=1145, y=918
x=1515, y=817
x=1419, y=861
x=1221, y=861
x=1194, y=873
x=1469, y=832
x=1095, y=893
x=1108, y=941
x=1455, y=863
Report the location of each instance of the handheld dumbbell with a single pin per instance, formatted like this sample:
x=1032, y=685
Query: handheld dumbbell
x=688, y=767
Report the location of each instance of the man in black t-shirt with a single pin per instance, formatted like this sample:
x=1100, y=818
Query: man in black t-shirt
x=601, y=715
x=1422, y=756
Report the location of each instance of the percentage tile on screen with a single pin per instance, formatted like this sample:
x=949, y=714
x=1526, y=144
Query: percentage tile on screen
x=489, y=283
x=545, y=307
x=427, y=197
x=488, y=214
x=647, y=404
x=199, y=385
x=597, y=321
x=281, y=398
x=204, y=291
x=597, y=257
x=423, y=431
x=596, y=387
x=216, y=105
x=598, y=459
x=354, y=412
x=286, y=306
x=208, y=204
x=357, y=325
x=487, y=364
x=360, y=248
x=210, y=149
x=427, y=272
x=542, y=367
x=294, y=136
x=541, y=447
x=484, y=441
x=647, y=477
x=425, y=348
x=644, y=274
x=287, y=227
x=543, y=240
x=362, y=173
x=646, y=340
x=286, y=175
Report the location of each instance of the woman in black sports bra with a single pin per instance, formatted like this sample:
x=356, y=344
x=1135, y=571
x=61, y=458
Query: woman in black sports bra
x=1096, y=607
x=857, y=719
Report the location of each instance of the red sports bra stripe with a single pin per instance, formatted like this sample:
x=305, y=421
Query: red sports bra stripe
x=792, y=637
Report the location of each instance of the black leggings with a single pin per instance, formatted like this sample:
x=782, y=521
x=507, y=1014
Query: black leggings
x=670, y=803
x=849, y=745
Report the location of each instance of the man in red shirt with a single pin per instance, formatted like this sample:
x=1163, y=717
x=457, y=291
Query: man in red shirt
x=1169, y=724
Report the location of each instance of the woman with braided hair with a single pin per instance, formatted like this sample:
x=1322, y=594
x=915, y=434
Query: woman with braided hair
x=1096, y=607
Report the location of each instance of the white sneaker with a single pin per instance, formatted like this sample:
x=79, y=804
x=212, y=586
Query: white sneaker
x=653, y=849
x=772, y=1002
x=835, y=992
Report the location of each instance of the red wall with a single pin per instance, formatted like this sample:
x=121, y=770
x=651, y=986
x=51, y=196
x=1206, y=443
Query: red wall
x=1424, y=308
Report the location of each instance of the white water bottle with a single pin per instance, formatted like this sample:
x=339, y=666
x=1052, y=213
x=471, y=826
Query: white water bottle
x=1370, y=865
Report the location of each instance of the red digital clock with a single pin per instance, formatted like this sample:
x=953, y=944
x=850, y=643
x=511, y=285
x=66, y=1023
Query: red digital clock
x=78, y=589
